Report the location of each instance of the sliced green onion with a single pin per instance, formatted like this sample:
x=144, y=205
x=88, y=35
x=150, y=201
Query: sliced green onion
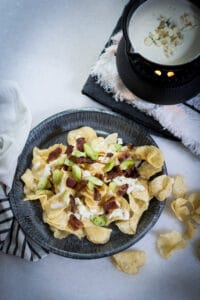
x=57, y=176
x=94, y=180
x=90, y=152
x=76, y=172
x=99, y=220
x=66, y=196
x=90, y=186
x=68, y=162
x=108, y=167
x=78, y=153
x=112, y=186
x=115, y=147
x=59, y=161
x=126, y=164
x=43, y=183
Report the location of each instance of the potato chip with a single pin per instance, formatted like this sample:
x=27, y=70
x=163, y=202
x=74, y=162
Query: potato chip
x=129, y=261
x=96, y=234
x=190, y=231
x=194, y=199
x=85, y=132
x=180, y=208
x=96, y=168
x=137, y=208
x=59, y=234
x=111, y=138
x=168, y=243
x=141, y=192
x=44, y=153
x=147, y=171
x=125, y=227
x=151, y=154
x=161, y=187
x=29, y=179
x=179, y=188
x=98, y=144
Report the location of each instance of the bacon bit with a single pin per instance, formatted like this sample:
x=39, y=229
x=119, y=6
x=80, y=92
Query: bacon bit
x=109, y=154
x=123, y=156
x=71, y=182
x=130, y=146
x=69, y=149
x=110, y=205
x=81, y=185
x=79, y=143
x=122, y=189
x=72, y=203
x=74, y=223
x=97, y=195
x=132, y=172
x=54, y=154
x=116, y=171
x=100, y=176
x=65, y=168
x=81, y=160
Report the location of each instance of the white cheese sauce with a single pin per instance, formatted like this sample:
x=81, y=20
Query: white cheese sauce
x=133, y=184
x=120, y=213
x=46, y=171
x=145, y=20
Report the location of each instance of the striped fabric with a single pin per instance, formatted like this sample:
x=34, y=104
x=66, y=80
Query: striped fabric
x=12, y=238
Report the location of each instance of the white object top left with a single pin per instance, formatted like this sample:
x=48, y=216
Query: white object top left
x=15, y=123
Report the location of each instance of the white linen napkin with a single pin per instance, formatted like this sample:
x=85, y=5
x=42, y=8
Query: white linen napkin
x=181, y=120
x=15, y=123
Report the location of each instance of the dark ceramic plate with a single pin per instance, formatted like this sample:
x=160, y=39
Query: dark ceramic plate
x=29, y=213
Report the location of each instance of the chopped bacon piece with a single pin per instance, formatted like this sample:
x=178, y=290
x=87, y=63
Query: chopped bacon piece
x=100, y=176
x=81, y=160
x=110, y=205
x=72, y=203
x=71, y=182
x=65, y=168
x=69, y=149
x=79, y=143
x=97, y=195
x=109, y=154
x=122, y=189
x=116, y=171
x=123, y=156
x=131, y=172
x=74, y=223
x=81, y=185
x=130, y=146
x=54, y=154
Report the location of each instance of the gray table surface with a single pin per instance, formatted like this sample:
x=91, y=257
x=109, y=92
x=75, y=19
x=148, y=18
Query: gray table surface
x=48, y=47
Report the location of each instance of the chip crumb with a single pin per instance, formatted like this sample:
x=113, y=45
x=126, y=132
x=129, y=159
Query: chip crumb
x=129, y=261
x=168, y=243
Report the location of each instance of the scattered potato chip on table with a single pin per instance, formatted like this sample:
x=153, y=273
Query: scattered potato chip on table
x=129, y=261
x=168, y=243
x=179, y=187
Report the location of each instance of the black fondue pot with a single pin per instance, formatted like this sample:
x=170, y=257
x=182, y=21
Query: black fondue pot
x=149, y=80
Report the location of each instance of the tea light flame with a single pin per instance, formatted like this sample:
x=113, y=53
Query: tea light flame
x=170, y=74
x=158, y=72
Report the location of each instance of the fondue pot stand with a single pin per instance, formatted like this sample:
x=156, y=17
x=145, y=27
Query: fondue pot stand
x=161, y=84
